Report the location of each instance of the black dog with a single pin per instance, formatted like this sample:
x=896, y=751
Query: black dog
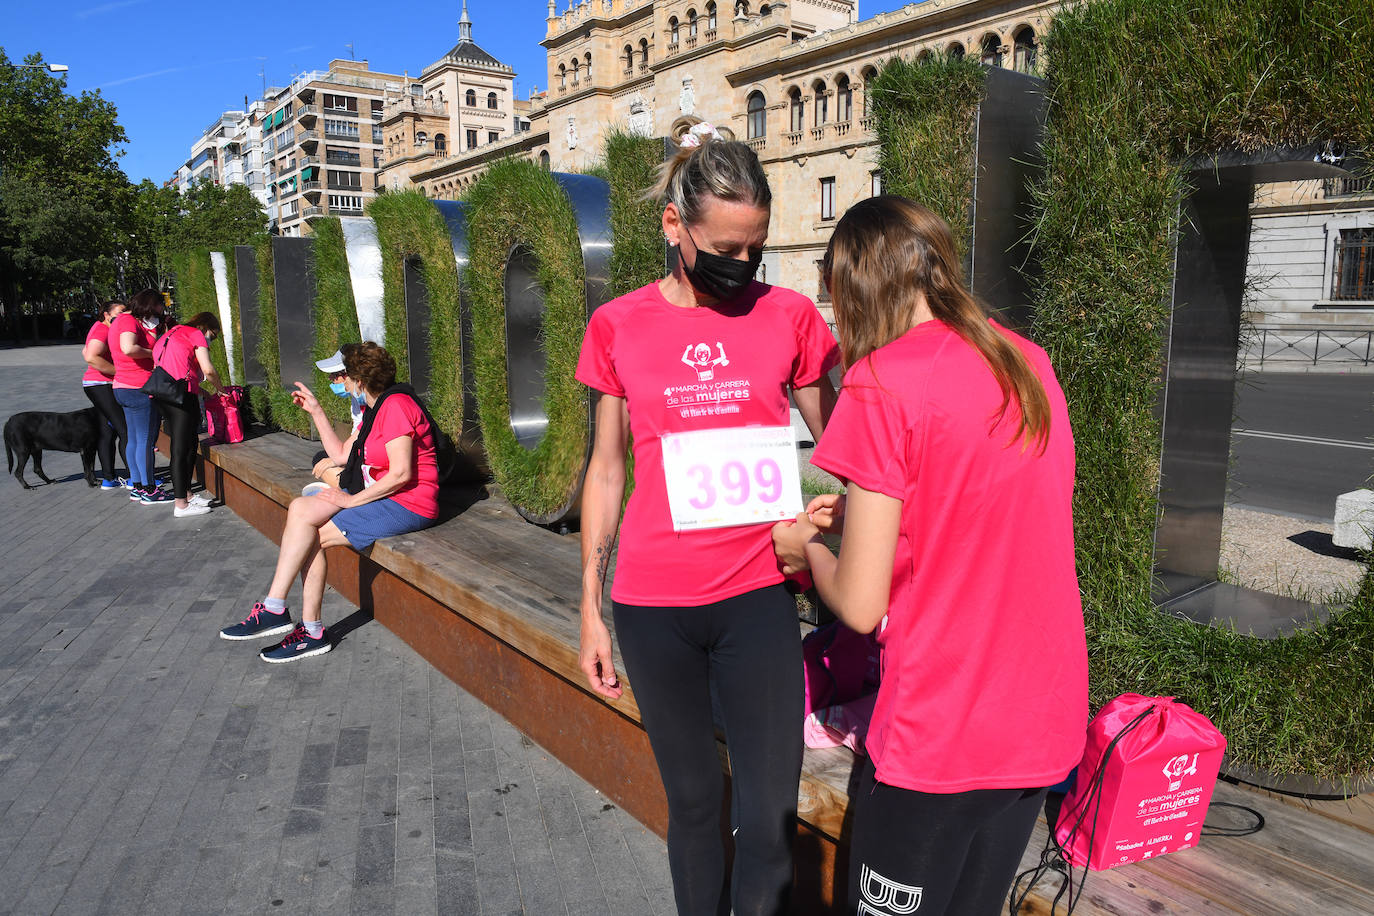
x=30, y=432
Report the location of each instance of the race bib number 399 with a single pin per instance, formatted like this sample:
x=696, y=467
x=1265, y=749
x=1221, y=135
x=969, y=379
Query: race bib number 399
x=719, y=478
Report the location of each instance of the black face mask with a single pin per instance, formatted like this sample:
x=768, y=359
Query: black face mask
x=719, y=276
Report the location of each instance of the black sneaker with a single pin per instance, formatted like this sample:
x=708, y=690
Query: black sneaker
x=259, y=622
x=299, y=644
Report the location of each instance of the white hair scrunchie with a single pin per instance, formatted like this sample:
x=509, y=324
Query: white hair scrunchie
x=699, y=132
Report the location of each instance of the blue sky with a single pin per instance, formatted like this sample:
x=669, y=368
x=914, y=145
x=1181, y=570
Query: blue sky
x=171, y=68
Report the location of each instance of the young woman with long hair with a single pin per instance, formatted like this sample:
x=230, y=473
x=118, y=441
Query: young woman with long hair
x=705, y=351
x=184, y=352
x=952, y=434
x=97, y=385
x=132, y=334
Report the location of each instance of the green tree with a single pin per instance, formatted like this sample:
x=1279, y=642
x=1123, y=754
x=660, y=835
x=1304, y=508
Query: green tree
x=214, y=216
x=60, y=190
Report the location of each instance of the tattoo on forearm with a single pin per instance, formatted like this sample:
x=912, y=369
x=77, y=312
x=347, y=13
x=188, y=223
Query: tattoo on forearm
x=603, y=557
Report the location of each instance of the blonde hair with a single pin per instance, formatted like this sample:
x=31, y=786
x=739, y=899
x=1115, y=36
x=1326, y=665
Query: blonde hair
x=718, y=166
x=886, y=252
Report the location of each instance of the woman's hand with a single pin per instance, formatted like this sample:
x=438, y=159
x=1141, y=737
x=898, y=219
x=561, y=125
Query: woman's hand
x=826, y=512
x=790, y=540
x=321, y=466
x=594, y=658
x=335, y=497
x=305, y=400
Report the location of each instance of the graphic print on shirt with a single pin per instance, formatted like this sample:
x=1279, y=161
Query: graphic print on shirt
x=708, y=396
x=879, y=896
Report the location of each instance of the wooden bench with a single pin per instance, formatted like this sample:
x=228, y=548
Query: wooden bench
x=492, y=602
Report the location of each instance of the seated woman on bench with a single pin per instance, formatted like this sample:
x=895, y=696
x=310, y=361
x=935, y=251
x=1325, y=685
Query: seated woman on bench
x=398, y=457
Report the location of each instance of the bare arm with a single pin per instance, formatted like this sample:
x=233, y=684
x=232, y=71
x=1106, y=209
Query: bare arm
x=855, y=585
x=602, y=492
x=400, y=459
x=97, y=356
x=816, y=402
x=129, y=346
x=207, y=369
x=334, y=447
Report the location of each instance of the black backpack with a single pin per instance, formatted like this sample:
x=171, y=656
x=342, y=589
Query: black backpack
x=445, y=454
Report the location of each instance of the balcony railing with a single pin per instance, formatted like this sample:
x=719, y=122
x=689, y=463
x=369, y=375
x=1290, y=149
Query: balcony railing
x=346, y=211
x=709, y=35
x=308, y=136
x=340, y=186
x=841, y=128
x=868, y=123
x=312, y=212
x=309, y=160
x=1345, y=187
x=818, y=132
x=341, y=135
x=793, y=138
x=308, y=111
x=757, y=143
x=310, y=186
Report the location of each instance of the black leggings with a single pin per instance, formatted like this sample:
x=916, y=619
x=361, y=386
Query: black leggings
x=954, y=853
x=113, y=428
x=747, y=648
x=183, y=424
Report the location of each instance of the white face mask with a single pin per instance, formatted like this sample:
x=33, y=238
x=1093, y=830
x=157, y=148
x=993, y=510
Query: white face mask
x=151, y=323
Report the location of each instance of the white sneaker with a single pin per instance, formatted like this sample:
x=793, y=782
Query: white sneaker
x=311, y=489
x=202, y=499
x=191, y=510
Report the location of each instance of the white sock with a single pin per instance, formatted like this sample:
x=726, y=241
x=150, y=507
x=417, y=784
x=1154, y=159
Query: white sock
x=314, y=627
x=275, y=605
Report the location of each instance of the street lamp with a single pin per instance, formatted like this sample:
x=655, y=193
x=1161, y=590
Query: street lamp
x=51, y=68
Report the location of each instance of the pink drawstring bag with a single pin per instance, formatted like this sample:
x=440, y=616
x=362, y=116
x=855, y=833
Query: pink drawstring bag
x=1144, y=785
x=841, y=671
x=222, y=418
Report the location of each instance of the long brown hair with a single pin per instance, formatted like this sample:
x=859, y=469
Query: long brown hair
x=884, y=254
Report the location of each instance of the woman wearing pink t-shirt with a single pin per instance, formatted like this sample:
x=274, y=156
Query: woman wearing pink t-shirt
x=397, y=449
x=705, y=355
x=184, y=352
x=132, y=335
x=953, y=436
x=97, y=385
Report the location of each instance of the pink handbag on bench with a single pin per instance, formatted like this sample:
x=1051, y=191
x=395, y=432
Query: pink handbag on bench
x=222, y=418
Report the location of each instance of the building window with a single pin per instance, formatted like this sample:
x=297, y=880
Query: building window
x=421, y=139
x=956, y=51
x=342, y=157
x=822, y=290
x=644, y=52
x=440, y=143
x=344, y=180
x=1023, y=57
x=691, y=23
x=758, y=116
x=377, y=107
x=711, y=16
x=629, y=58
x=493, y=136
x=491, y=100
x=377, y=134
x=472, y=139
x=344, y=130
x=828, y=198
x=417, y=90
x=822, y=103
x=544, y=160
x=876, y=178
x=346, y=202
x=870, y=74
x=794, y=104
x=562, y=76
x=765, y=11
x=470, y=98
x=844, y=99
x=991, y=50
x=672, y=31
x=1352, y=273
x=346, y=103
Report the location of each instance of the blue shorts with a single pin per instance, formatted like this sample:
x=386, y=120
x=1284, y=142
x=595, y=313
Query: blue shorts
x=381, y=518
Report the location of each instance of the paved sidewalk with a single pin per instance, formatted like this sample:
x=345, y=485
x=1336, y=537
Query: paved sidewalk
x=147, y=766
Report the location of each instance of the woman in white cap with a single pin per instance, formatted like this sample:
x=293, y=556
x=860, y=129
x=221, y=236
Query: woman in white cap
x=329, y=463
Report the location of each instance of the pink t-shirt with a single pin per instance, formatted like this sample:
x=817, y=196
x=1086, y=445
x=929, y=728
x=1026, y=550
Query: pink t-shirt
x=399, y=416
x=99, y=331
x=176, y=352
x=985, y=669
x=684, y=369
x=130, y=372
